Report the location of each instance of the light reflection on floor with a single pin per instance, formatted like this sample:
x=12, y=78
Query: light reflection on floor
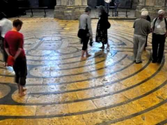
x=106, y=88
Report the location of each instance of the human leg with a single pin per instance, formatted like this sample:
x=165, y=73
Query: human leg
x=84, y=47
x=161, y=48
x=141, y=44
x=23, y=74
x=20, y=68
x=146, y=43
x=154, y=47
x=135, y=47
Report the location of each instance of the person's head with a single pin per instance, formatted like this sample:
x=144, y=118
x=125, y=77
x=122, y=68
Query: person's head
x=144, y=9
x=88, y=10
x=102, y=10
x=161, y=14
x=144, y=14
x=17, y=24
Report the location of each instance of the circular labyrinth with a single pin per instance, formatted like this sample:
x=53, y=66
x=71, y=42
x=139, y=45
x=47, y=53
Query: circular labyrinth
x=106, y=88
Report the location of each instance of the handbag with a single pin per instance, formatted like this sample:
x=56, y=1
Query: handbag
x=83, y=33
x=108, y=25
x=10, y=61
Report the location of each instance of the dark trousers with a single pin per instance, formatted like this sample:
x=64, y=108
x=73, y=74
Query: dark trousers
x=5, y=56
x=158, y=43
x=85, y=43
x=20, y=68
x=146, y=41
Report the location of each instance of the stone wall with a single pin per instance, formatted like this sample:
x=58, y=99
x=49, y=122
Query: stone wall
x=69, y=9
x=152, y=6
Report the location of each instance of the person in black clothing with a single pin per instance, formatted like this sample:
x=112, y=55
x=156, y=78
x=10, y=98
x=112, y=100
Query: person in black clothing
x=102, y=26
x=159, y=30
x=116, y=4
x=148, y=19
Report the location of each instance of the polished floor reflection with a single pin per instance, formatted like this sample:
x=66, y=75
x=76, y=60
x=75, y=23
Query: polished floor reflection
x=106, y=88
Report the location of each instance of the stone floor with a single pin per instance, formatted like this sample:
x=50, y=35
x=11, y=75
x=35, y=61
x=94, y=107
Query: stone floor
x=106, y=88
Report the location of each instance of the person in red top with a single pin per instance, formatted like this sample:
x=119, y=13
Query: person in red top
x=14, y=47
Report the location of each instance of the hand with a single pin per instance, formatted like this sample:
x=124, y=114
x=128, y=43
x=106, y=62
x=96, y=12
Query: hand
x=14, y=58
x=166, y=34
x=90, y=37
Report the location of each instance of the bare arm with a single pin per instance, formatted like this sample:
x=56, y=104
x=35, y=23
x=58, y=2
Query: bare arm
x=90, y=27
x=7, y=51
x=19, y=47
x=17, y=53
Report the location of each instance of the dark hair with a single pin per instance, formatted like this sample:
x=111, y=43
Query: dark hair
x=17, y=23
x=102, y=10
x=87, y=9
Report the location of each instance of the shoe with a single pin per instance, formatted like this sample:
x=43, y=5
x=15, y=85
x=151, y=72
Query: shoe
x=134, y=61
x=154, y=61
x=159, y=61
x=88, y=55
x=91, y=43
x=138, y=62
x=108, y=46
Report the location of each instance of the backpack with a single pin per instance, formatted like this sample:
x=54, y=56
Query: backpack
x=155, y=22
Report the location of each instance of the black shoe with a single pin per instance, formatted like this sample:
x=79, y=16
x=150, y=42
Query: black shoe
x=91, y=43
x=138, y=62
x=154, y=61
x=159, y=61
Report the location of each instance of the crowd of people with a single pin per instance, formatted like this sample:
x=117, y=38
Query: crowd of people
x=142, y=28
x=12, y=40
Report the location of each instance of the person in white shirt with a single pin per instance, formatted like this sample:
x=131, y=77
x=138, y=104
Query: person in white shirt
x=5, y=26
x=159, y=29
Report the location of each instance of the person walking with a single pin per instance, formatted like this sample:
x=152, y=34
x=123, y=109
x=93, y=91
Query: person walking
x=142, y=28
x=159, y=29
x=14, y=43
x=5, y=26
x=102, y=26
x=85, y=31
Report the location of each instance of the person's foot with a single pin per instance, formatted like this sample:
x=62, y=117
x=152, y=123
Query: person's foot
x=5, y=64
x=154, y=61
x=102, y=47
x=159, y=61
x=82, y=58
x=22, y=94
x=24, y=90
x=88, y=55
x=144, y=48
x=139, y=62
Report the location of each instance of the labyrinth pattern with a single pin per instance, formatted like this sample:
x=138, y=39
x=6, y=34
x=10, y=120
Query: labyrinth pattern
x=106, y=88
